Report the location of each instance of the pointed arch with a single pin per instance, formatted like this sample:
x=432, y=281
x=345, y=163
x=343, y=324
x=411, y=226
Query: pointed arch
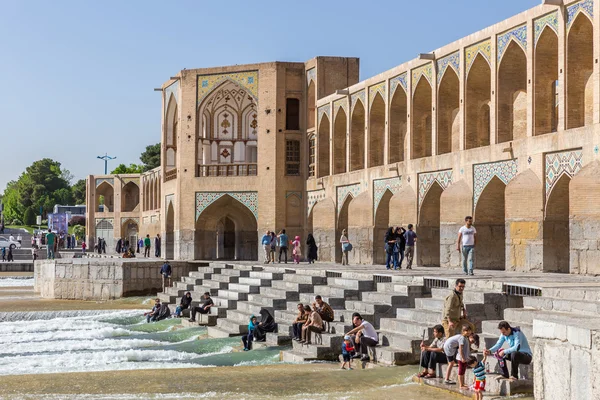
x=340, y=134
x=105, y=195
x=428, y=228
x=448, y=113
x=382, y=222
x=421, y=119
x=580, y=66
x=512, y=94
x=397, y=123
x=357, y=137
x=130, y=197
x=478, y=95
x=489, y=220
x=376, y=131
x=342, y=224
x=312, y=108
x=323, y=149
x=546, y=82
x=170, y=129
x=556, y=227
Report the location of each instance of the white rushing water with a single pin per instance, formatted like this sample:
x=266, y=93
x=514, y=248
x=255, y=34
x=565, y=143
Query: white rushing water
x=16, y=281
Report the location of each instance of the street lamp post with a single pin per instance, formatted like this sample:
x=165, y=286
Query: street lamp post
x=106, y=157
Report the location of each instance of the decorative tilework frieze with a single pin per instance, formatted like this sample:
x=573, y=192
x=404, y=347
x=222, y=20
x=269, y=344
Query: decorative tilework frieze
x=519, y=35
x=132, y=219
x=313, y=197
x=110, y=181
x=585, y=6
x=172, y=89
x=558, y=164
x=134, y=180
x=205, y=199
x=424, y=70
x=380, y=186
x=399, y=80
x=311, y=75
x=452, y=60
x=297, y=194
x=344, y=191
x=483, y=174
x=340, y=103
x=248, y=80
x=357, y=96
x=324, y=110
x=373, y=90
x=109, y=221
x=484, y=48
x=550, y=20
x=443, y=178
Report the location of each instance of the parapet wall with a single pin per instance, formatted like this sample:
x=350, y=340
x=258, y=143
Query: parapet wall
x=101, y=279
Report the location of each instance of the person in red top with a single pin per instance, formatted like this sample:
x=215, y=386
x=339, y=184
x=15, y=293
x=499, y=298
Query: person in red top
x=83, y=247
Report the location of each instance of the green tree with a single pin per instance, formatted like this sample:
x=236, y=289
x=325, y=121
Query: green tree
x=29, y=216
x=151, y=157
x=79, y=232
x=78, y=192
x=131, y=169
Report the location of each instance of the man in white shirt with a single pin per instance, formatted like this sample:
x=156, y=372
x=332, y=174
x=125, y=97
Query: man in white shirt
x=467, y=236
x=366, y=335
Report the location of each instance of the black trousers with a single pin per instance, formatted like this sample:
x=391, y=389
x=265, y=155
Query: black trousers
x=283, y=250
x=516, y=359
x=430, y=359
x=247, y=340
x=297, y=329
x=365, y=343
x=200, y=310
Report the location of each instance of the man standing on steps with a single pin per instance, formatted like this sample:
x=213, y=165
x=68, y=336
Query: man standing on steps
x=203, y=309
x=283, y=244
x=266, y=244
x=455, y=313
x=411, y=238
x=467, y=236
x=50, y=239
x=147, y=243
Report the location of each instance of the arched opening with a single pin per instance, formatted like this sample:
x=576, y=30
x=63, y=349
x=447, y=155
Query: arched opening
x=580, y=65
x=226, y=229
x=421, y=120
x=312, y=101
x=512, y=94
x=339, y=142
x=397, y=126
x=489, y=223
x=323, y=147
x=105, y=197
x=377, y=131
x=156, y=194
x=478, y=104
x=152, y=195
x=556, y=228
x=382, y=223
x=170, y=232
x=357, y=137
x=105, y=230
x=171, y=134
x=130, y=197
x=428, y=228
x=546, y=76
x=342, y=223
x=448, y=107
x=129, y=232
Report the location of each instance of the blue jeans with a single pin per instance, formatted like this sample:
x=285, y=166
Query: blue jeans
x=468, y=253
x=150, y=318
x=50, y=252
x=398, y=262
x=388, y=260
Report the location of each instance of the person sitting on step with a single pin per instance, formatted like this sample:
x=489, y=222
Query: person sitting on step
x=299, y=321
x=518, y=352
x=433, y=354
x=249, y=337
x=314, y=323
x=153, y=315
x=184, y=303
x=324, y=310
x=204, y=308
x=366, y=336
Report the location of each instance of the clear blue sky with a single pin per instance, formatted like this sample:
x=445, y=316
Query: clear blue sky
x=77, y=75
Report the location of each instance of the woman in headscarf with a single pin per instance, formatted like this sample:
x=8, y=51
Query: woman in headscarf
x=390, y=242
x=267, y=324
x=311, y=248
x=247, y=338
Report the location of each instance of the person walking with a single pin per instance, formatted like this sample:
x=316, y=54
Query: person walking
x=147, y=243
x=411, y=239
x=346, y=246
x=467, y=236
x=296, y=249
x=518, y=353
x=157, y=246
x=273, y=247
x=34, y=253
x=266, y=244
x=390, y=242
x=399, y=247
x=283, y=244
x=311, y=249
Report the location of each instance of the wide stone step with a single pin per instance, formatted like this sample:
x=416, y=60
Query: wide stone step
x=394, y=299
x=228, y=304
x=392, y=356
x=201, y=320
x=233, y=295
x=562, y=305
x=337, y=292
x=276, y=303
x=234, y=327
x=330, y=348
x=278, y=338
x=305, y=279
x=431, y=317
x=285, y=316
x=215, y=284
x=224, y=278
x=271, y=276
x=360, y=285
x=407, y=327
x=472, y=308
x=247, y=268
x=184, y=286
x=244, y=288
x=309, y=298
x=403, y=342
x=253, y=308
x=199, y=290
x=193, y=280
x=296, y=357
x=217, y=332
x=167, y=298
x=293, y=286
x=241, y=315
x=254, y=282
x=284, y=294
x=235, y=272
x=404, y=289
x=220, y=312
x=203, y=271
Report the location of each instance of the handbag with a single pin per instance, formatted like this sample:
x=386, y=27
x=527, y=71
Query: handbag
x=347, y=246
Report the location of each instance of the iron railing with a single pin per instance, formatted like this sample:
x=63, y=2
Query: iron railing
x=521, y=290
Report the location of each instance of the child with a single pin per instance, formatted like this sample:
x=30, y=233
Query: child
x=347, y=350
x=458, y=348
x=296, y=252
x=83, y=247
x=249, y=337
x=479, y=372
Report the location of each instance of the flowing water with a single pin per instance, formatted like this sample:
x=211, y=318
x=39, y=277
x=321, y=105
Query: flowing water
x=13, y=281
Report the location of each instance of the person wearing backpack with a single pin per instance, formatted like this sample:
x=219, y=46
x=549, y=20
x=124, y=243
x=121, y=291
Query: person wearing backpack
x=346, y=246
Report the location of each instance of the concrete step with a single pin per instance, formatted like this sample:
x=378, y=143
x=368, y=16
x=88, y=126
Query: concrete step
x=241, y=315
x=192, y=280
x=276, y=303
x=215, y=284
x=235, y=272
x=407, y=327
x=184, y=286
x=305, y=279
x=285, y=294
x=399, y=300
x=201, y=320
x=296, y=357
x=202, y=271
x=329, y=349
x=278, y=338
x=168, y=298
x=271, y=276
x=360, y=285
x=284, y=316
x=402, y=289
x=387, y=355
x=337, y=292
x=252, y=308
x=244, y=288
x=293, y=286
x=399, y=341
x=255, y=282
x=490, y=327
x=233, y=327
x=476, y=310
x=562, y=305
x=233, y=295
x=227, y=304
x=217, y=332
x=199, y=290
x=224, y=278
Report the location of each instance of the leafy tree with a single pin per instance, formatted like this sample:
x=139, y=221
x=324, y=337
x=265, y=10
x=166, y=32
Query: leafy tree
x=79, y=232
x=78, y=192
x=151, y=157
x=29, y=216
x=131, y=169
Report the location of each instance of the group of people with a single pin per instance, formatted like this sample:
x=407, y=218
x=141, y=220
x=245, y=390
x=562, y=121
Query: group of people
x=271, y=241
x=311, y=319
x=454, y=341
x=399, y=243
x=7, y=255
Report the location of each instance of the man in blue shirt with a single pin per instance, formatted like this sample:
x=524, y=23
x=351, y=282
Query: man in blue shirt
x=283, y=244
x=518, y=353
x=266, y=244
x=411, y=238
x=166, y=272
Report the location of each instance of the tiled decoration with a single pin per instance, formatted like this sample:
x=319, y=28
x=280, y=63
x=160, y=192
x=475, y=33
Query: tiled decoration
x=443, y=178
x=205, y=199
x=558, y=164
x=344, y=191
x=518, y=34
x=110, y=181
x=424, y=70
x=324, y=110
x=357, y=96
x=549, y=20
x=170, y=198
x=297, y=194
x=248, y=80
x=311, y=75
x=172, y=89
x=106, y=222
x=135, y=220
x=484, y=48
x=483, y=174
x=341, y=103
x=314, y=197
x=134, y=180
x=373, y=90
x=452, y=60
x=585, y=6
x=399, y=80
x=380, y=186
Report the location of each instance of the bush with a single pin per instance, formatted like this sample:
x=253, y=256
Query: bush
x=79, y=232
x=29, y=216
x=16, y=221
x=77, y=220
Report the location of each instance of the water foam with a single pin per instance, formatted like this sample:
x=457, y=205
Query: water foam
x=15, y=281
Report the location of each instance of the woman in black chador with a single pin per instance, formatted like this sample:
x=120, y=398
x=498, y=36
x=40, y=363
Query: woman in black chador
x=267, y=324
